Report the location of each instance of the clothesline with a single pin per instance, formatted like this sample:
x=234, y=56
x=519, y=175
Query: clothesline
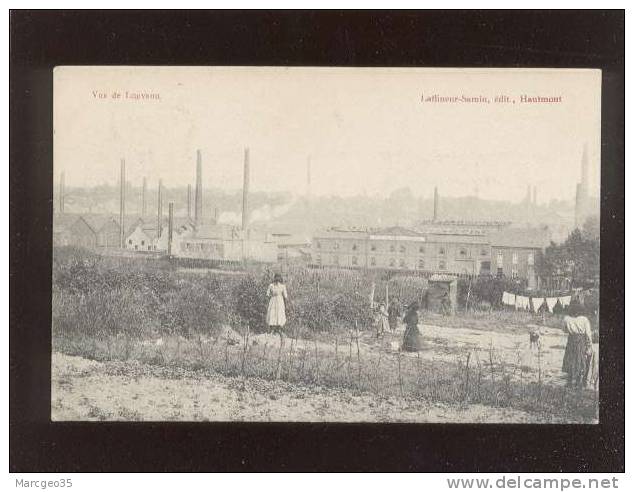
x=534, y=303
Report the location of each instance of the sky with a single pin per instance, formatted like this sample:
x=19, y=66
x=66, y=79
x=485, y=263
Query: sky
x=365, y=130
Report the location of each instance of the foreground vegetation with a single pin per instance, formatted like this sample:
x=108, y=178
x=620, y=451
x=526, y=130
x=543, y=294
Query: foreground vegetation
x=108, y=309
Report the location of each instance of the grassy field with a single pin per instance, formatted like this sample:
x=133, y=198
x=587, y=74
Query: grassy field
x=140, y=326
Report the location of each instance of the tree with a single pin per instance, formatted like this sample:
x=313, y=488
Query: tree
x=591, y=227
x=576, y=259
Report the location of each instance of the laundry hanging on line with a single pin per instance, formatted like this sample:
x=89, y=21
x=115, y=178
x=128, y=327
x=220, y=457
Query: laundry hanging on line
x=508, y=299
x=521, y=302
x=565, y=301
x=537, y=303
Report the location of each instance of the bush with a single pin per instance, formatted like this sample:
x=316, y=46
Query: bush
x=251, y=302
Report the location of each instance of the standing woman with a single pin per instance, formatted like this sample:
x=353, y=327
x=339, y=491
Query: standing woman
x=276, y=312
x=412, y=338
x=393, y=314
x=579, y=362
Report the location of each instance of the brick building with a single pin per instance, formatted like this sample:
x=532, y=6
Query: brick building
x=517, y=253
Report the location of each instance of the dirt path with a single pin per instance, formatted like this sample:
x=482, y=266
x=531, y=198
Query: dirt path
x=90, y=390
x=449, y=344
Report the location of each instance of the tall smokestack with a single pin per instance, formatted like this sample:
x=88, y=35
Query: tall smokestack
x=216, y=215
x=170, y=228
x=534, y=195
x=198, y=212
x=436, y=211
x=189, y=201
x=144, y=198
x=62, y=190
x=159, y=215
x=245, y=191
x=122, y=206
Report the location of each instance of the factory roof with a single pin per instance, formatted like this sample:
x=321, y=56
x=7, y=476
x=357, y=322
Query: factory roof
x=396, y=231
x=341, y=233
x=62, y=222
x=457, y=237
x=467, y=223
x=98, y=222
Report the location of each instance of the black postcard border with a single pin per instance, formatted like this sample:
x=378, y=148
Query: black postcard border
x=40, y=40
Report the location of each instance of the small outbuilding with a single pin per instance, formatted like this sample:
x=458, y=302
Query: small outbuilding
x=442, y=293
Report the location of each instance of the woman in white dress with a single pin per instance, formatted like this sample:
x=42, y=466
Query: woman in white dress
x=276, y=312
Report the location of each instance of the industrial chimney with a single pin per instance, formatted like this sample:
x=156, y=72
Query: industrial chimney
x=198, y=212
x=527, y=200
x=436, y=203
x=144, y=198
x=122, y=206
x=245, y=191
x=534, y=195
x=578, y=205
x=61, y=193
x=170, y=228
x=584, y=170
x=189, y=201
x=159, y=217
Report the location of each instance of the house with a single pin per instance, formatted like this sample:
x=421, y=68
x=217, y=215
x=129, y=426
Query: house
x=518, y=252
x=73, y=230
x=182, y=227
x=142, y=237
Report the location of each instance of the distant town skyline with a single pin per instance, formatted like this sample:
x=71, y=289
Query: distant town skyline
x=366, y=131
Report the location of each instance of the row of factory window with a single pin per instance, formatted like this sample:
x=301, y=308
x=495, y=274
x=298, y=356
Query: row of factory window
x=142, y=247
x=463, y=252
x=530, y=259
x=393, y=263
x=442, y=264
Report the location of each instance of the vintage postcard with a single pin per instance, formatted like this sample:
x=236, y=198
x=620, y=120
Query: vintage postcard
x=326, y=244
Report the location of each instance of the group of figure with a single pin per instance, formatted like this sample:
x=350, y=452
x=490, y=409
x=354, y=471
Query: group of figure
x=387, y=317
x=580, y=359
x=388, y=321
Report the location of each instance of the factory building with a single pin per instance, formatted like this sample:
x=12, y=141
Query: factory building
x=225, y=243
x=107, y=230
x=73, y=230
x=451, y=250
x=517, y=252
x=401, y=249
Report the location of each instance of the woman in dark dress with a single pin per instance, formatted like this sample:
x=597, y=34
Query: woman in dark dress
x=393, y=315
x=412, y=339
